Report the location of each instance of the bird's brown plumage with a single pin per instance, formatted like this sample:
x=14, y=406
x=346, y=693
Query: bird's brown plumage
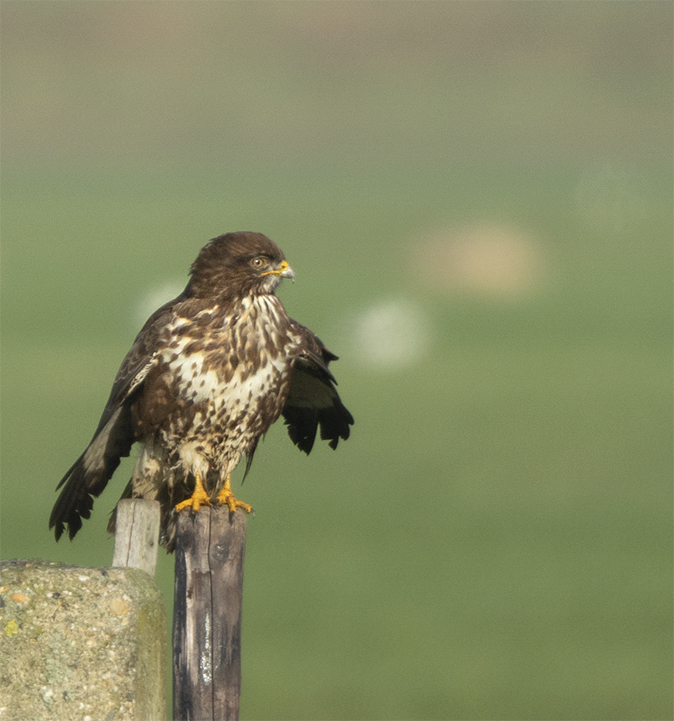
x=206, y=377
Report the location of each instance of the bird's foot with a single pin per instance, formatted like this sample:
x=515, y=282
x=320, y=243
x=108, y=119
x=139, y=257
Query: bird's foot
x=199, y=498
x=226, y=498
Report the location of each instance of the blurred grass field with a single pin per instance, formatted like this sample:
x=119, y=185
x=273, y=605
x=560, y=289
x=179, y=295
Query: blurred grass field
x=495, y=539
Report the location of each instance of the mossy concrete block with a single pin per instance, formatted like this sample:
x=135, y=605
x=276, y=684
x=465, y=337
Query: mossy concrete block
x=80, y=643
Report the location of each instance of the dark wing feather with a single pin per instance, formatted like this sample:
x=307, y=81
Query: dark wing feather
x=312, y=400
x=114, y=436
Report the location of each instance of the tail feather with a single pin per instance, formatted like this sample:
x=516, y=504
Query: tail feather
x=90, y=473
x=74, y=503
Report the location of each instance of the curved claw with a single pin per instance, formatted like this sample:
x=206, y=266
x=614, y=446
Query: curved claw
x=198, y=498
x=226, y=497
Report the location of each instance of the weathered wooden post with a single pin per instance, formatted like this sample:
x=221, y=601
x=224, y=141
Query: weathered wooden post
x=209, y=557
x=137, y=534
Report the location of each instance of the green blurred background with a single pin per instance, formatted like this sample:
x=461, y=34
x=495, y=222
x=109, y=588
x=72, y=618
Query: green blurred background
x=477, y=200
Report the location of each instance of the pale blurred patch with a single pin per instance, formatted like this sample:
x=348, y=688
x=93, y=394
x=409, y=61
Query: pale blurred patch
x=611, y=198
x=154, y=298
x=481, y=260
x=390, y=333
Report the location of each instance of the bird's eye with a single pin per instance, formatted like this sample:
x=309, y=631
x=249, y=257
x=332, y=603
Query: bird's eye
x=258, y=262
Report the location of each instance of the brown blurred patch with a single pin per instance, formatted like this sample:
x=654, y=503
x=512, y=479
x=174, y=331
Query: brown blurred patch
x=482, y=260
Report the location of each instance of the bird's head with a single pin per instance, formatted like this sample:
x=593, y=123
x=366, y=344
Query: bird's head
x=238, y=265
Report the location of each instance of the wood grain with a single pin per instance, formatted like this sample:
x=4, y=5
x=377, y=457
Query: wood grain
x=209, y=557
x=137, y=534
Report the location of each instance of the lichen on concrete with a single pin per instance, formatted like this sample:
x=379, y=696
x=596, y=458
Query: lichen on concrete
x=80, y=643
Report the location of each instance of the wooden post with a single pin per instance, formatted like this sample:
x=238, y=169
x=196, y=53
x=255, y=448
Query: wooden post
x=209, y=557
x=136, y=534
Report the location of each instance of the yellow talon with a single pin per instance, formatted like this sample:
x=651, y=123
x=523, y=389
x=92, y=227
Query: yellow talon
x=226, y=497
x=199, y=497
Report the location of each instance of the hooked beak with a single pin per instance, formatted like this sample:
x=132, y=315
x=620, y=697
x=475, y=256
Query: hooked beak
x=283, y=271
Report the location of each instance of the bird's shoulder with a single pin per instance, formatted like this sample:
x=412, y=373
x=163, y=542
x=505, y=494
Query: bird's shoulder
x=312, y=356
x=156, y=335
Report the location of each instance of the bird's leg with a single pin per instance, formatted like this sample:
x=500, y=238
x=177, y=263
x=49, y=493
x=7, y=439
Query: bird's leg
x=199, y=497
x=226, y=497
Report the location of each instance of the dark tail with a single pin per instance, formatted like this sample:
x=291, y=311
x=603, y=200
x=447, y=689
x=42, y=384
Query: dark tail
x=90, y=473
x=74, y=503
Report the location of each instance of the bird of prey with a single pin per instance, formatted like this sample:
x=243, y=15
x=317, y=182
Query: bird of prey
x=206, y=377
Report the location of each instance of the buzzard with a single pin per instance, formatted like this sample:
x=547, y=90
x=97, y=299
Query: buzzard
x=205, y=378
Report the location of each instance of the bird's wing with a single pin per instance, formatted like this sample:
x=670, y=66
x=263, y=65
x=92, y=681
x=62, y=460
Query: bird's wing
x=114, y=436
x=312, y=399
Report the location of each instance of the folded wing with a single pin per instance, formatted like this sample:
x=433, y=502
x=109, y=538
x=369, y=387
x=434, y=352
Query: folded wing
x=313, y=401
x=90, y=473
